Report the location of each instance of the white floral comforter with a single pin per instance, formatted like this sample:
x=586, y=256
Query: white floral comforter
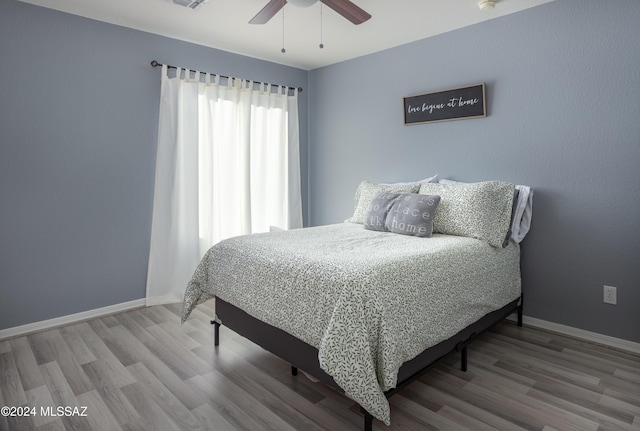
x=369, y=301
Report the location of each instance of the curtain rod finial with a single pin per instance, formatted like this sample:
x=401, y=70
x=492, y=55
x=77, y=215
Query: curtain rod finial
x=154, y=63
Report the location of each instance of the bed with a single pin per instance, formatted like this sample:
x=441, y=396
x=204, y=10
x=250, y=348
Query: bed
x=365, y=307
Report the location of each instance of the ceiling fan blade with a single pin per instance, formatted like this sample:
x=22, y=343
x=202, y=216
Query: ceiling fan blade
x=268, y=12
x=348, y=10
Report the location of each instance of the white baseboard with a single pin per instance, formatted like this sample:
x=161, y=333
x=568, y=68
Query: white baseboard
x=606, y=340
x=161, y=300
x=616, y=343
x=71, y=318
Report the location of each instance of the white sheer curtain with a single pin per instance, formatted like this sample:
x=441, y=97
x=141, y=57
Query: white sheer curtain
x=227, y=164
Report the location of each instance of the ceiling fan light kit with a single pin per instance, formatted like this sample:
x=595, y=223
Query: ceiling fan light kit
x=486, y=4
x=302, y=3
x=346, y=8
x=191, y=4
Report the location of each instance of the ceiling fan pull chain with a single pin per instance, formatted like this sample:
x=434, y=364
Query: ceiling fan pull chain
x=283, y=50
x=321, y=44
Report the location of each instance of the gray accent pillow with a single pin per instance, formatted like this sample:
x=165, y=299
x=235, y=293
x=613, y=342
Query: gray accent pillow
x=476, y=210
x=367, y=191
x=413, y=214
x=378, y=209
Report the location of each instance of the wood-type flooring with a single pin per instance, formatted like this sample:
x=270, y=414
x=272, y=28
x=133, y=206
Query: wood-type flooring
x=142, y=370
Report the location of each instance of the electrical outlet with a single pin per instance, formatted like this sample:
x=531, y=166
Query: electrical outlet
x=610, y=295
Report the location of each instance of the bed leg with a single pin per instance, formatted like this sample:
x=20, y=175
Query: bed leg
x=520, y=316
x=520, y=308
x=216, y=332
x=463, y=359
x=294, y=371
x=368, y=420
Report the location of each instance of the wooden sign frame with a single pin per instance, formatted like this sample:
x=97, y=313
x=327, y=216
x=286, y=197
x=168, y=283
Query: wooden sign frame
x=453, y=104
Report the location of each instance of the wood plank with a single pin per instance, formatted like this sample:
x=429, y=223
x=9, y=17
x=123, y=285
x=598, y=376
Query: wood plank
x=151, y=416
x=173, y=358
x=190, y=398
x=106, y=370
x=110, y=321
x=210, y=419
x=154, y=314
x=5, y=346
x=109, y=390
x=62, y=395
x=533, y=412
x=412, y=415
x=77, y=345
x=459, y=418
x=12, y=392
x=497, y=380
x=173, y=408
x=629, y=403
x=219, y=387
x=606, y=418
x=231, y=413
x=98, y=414
x=37, y=398
x=4, y=425
x=26, y=363
x=138, y=316
x=55, y=425
x=10, y=382
x=507, y=412
x=97, y=347
x=460, y=402
x=52, y=347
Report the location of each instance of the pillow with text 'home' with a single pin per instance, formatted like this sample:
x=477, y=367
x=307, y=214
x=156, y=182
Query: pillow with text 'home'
x=412, y=214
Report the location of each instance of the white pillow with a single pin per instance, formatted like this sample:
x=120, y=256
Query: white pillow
x=475, y=210
x=368, y=191
x=414, y=185
x=522, y=213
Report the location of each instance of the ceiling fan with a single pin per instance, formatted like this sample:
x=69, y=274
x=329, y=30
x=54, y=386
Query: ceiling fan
x=344, y=7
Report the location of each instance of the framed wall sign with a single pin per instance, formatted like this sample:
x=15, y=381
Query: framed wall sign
x=453, y=104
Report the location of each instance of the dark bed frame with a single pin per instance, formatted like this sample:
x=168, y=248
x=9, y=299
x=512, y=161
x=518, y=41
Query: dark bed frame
x=305, y=357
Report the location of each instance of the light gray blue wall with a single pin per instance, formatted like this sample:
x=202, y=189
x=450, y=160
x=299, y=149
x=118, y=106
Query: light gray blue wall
x=78, y=126
x=563, y=95
x=77, y=148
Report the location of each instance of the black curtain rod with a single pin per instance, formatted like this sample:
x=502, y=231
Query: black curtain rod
x=154, y=63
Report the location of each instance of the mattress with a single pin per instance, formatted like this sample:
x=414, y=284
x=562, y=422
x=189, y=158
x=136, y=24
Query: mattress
x=368, y=301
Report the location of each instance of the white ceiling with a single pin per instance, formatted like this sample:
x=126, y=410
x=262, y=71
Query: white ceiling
x=223, y=24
